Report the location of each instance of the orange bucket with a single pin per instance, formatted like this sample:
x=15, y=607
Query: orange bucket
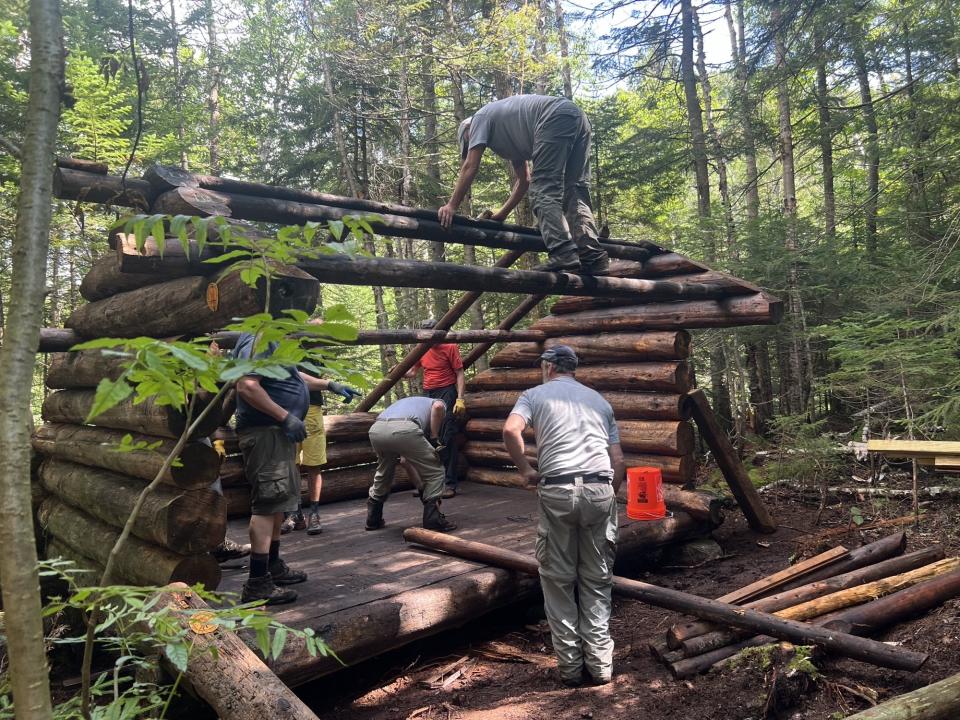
x=645, y=494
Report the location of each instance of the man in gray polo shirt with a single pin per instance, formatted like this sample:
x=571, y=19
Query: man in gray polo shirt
x=409, y=429
x=554, y=134
x=580, y=468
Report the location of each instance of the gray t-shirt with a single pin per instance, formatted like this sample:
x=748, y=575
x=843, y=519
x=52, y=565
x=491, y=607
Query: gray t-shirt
x=574, y=426
x=507, y=126
x=411, y=408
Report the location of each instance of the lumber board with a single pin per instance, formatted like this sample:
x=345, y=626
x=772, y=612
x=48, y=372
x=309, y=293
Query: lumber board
x=914, y=448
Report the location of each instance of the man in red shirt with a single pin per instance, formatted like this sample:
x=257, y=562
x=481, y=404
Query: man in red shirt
x=444, y=380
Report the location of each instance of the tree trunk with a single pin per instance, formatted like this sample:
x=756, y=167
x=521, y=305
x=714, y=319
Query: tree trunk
x=872, y=144
x=18, y=562
x=744, y=107
x=213, y=89
x=186, y=522
x=97, y=447
x=826, y=147
x=799, y=389
x=430, y=195
x=564, y=51
x=177, y=85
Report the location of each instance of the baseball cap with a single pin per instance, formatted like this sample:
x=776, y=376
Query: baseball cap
x=562, y=356
x=462, y=137
x=428, y=324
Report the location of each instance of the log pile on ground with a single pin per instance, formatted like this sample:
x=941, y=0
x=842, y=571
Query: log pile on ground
x=859, y=592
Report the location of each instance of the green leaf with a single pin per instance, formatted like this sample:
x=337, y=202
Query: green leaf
x=279, y=640
x=227, y=256
x=336, y=229
x=178, y=655
x=109, y=393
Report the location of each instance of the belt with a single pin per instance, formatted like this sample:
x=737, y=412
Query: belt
x=571, y=478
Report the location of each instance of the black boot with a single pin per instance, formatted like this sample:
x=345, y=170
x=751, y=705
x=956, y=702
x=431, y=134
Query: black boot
x=433, y=519
x=374, y=515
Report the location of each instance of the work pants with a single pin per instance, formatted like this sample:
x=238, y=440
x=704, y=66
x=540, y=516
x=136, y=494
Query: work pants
x=448, y=432
x=560, y=185
x=392, y=439
x=576, y=546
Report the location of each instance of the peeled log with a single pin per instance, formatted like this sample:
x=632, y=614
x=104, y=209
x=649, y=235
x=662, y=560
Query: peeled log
x=678, y=470
x=759, y=309
x=105, y=279
x=869, y=591
x=139, y=562
x=191, y=305
x=72, y=406
x=226, y=673
x=185, y=521
x=758, y=517
x=341, y=454
x=790, y=598
x=674, y=377
x=846, y=645
x=342, y=484
x=70, y=184
x=730, y=285
x=174, y=261
x=650, y=437
x=256, y=208
x=938, y=701
x=626, y=405
x=699, y=505
x=96, y=447
x=605, y=348
x=862, y=557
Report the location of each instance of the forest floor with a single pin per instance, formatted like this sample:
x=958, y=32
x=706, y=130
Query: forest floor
x=511, y=674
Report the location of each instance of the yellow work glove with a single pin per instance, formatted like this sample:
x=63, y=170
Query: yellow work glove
x=459, y=408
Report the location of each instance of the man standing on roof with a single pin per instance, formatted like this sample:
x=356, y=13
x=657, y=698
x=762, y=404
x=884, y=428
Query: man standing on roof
x=409, y=429
x=580, y=469
x=443, y=379
x=554, y=135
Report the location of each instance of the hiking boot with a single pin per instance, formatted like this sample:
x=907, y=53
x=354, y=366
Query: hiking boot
x=433, y=519
x=449, y=492
x=263, y=588
x=571, y=265
x=287, y=525
x=229, y=550
x=313, y=524
x=374, y=515
x=597, y=268
x=283, y=574
x=299, y=521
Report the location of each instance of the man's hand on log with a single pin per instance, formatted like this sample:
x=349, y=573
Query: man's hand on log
x=445, y=215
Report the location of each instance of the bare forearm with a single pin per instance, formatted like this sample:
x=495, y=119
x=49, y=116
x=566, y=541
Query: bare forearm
x=461, y=383
x=516, y=447
x=256, y=397
x=619, y=466
x=516, y=195
x=467, y=173
x=436, y=420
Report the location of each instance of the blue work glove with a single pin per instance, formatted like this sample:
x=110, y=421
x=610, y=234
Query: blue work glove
x=294, y=428
x=346, y=392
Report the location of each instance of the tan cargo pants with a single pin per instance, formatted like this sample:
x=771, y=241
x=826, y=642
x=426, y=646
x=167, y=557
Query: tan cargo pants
x=576, y=546
x=393, y=439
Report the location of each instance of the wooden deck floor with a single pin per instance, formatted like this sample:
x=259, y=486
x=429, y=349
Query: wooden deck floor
x=369, y=592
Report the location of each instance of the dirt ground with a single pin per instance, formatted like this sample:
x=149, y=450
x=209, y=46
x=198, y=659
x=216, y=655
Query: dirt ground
x=510, y=673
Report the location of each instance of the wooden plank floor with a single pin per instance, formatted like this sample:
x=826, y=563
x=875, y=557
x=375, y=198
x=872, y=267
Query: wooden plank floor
x=368, y=592
x=348, y=566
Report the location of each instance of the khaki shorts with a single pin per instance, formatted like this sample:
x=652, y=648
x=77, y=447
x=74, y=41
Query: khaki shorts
x=270, y=464
x=313, y=450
